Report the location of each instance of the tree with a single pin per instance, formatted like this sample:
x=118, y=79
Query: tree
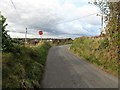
x=6, y=40
x=105, y=11
x=114, y=25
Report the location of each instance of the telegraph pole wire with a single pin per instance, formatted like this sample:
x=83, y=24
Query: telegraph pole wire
x=13, y=4
x=77, y=18
x=19, y=15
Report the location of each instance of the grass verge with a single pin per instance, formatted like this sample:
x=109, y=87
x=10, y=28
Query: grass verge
x=98, y=51
x=24, y=67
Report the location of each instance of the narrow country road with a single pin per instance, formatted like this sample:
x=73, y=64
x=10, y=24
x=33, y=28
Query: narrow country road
x=65, y=70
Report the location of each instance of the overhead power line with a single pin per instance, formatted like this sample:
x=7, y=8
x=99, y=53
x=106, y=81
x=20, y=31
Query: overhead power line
x=13, y=5
x=77, y=18
x=53, y=25
x=19, y=16
x=19, y=32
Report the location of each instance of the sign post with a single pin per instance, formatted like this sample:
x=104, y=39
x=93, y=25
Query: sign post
x=41, y=33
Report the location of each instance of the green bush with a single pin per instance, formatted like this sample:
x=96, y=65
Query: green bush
x=24, y=67
x=104, y=43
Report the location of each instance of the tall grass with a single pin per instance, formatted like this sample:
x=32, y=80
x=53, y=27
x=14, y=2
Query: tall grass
x=98, y=51
x=24, y=67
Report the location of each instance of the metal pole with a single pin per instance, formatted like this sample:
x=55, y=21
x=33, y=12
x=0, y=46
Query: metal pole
x=41, y=38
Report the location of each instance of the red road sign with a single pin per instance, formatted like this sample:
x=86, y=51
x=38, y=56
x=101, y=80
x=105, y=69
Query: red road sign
x=40, y=32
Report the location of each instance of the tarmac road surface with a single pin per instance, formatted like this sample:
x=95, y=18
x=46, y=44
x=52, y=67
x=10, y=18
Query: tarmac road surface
x=66, y=70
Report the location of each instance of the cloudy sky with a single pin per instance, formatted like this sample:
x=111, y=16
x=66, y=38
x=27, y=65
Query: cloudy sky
x=56, y=18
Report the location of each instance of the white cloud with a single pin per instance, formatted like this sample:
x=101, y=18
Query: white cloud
x=44, y=14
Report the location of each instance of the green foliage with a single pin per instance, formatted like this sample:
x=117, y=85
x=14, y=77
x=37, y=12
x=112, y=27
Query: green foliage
x=104, y=43
x=103, y=51
x=24, y=69
x=97, y=51
x=17, y=41
x=22, y=66
x=6, y=40
x=8, y=44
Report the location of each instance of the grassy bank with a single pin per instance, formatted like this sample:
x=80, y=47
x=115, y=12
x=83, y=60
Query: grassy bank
x=98, y=51
x=24, y=67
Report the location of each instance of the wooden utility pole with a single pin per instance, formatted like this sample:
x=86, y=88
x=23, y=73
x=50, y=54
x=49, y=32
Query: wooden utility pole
x=102, y=13
x=102, y=26
x=26, y=36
